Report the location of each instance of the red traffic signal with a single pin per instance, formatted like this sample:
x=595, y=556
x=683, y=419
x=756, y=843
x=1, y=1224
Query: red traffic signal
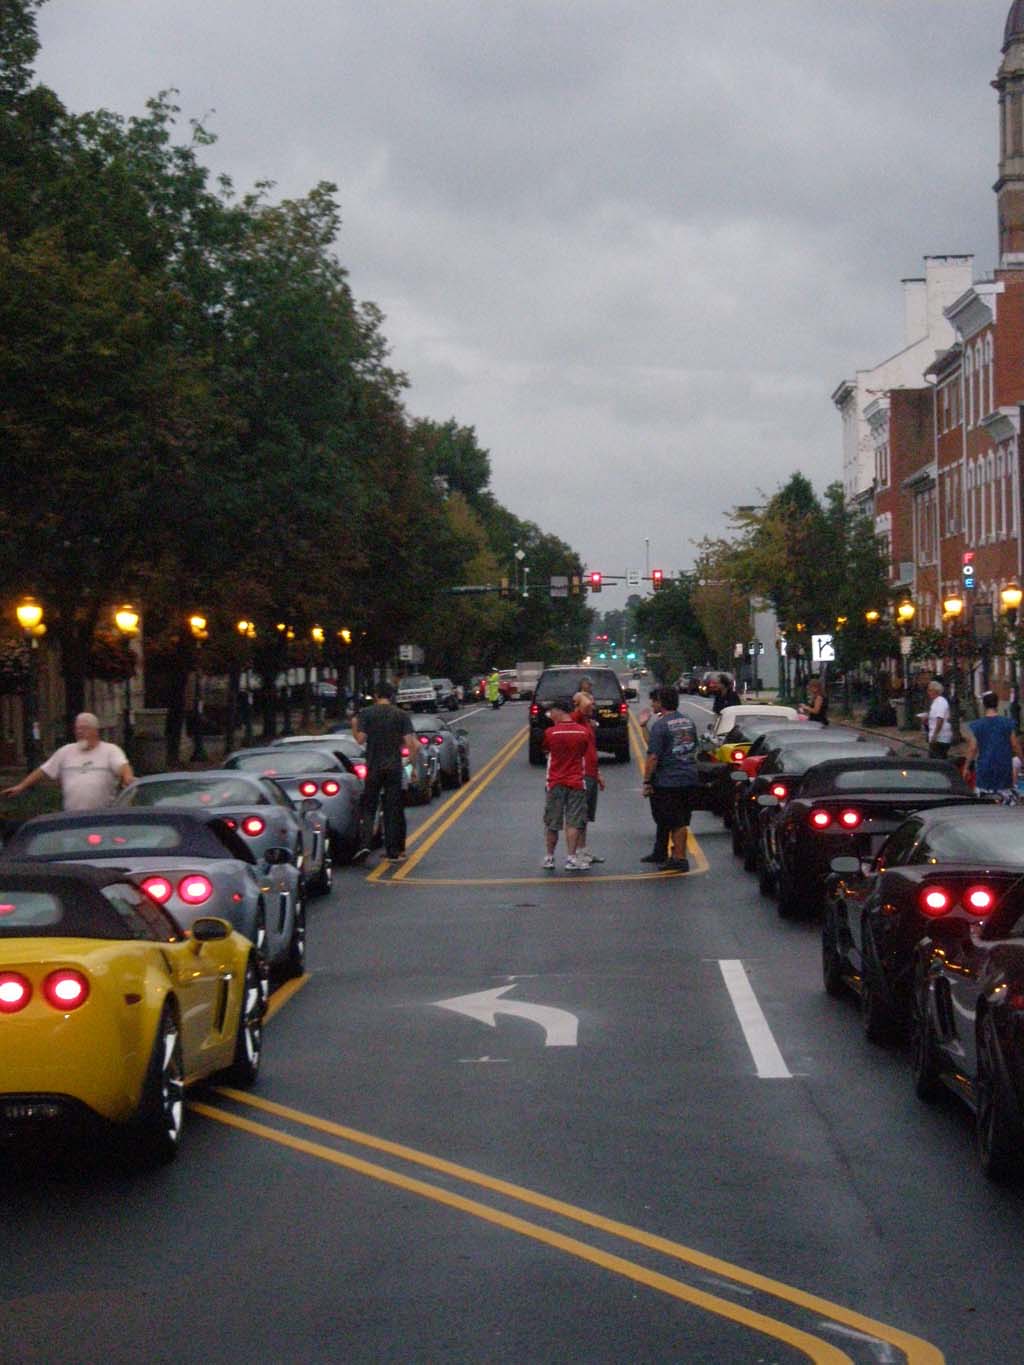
x=594, y=581
x=657, y=578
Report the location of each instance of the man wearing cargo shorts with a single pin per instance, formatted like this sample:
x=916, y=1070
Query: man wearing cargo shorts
x=565, y=801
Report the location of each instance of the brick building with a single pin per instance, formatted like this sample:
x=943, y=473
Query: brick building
x=944, y=476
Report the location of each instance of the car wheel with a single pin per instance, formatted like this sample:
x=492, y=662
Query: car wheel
x=324, y=880
x=536, y=754
x=791, y=903
x=996, y=1136
x=259, y=943
x=737, y=841
x=161, y=1111
x=833, y=964
x=877, y=1019
x=765, y=880
x=245, y=1066
x=295, y=962
x=923, y=1060
x=749, y=848
x=464, y=773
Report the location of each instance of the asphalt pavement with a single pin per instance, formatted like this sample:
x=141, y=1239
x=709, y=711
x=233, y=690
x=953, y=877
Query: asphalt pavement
x=517, y=1116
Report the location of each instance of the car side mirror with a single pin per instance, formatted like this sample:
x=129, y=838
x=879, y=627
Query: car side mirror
x=768, y=801
x=278, y=857
x=208, y=929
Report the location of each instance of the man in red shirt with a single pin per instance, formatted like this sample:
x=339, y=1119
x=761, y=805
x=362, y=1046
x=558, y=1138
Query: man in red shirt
x=565, y=742
x=592, y=779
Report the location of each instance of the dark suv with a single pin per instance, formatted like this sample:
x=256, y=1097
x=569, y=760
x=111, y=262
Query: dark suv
x=610, y=710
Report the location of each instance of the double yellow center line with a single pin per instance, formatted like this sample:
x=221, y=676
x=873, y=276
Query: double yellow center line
x=425, y=836
x=814, y=1348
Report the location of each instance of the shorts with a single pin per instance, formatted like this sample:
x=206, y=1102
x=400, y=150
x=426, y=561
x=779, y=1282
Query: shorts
x=565, y=806
x=672, y=806
x=592, y=789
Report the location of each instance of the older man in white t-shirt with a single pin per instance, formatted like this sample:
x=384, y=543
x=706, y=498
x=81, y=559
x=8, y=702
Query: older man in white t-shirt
x=90, y=771
x=940, y=731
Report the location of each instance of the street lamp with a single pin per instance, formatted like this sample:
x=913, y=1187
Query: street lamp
x=1011, y=597
x=316, y=634
x=905, y=612
x=197, y=625
x=30, y=617
x=247, y=630
x=953, y=607
x=126, y=618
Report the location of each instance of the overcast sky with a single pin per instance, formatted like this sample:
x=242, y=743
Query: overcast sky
x=635, y=243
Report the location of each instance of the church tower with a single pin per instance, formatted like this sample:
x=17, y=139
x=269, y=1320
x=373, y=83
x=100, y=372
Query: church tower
x=1009, y=187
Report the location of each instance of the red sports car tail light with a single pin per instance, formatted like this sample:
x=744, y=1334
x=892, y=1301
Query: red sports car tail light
x=439, y=739
x=15, y=992
x=307, y=788
x=979, y=900
x=254, y=826
x=780, y=790
x=330, y=788
x=66, y=990
x=405, y=751
x=934, y=901
x=360, y=771
x=159, y=888
x=423, y=739
x=738, y=755
x=819, y=819
x=850, y=819
x=195, y=889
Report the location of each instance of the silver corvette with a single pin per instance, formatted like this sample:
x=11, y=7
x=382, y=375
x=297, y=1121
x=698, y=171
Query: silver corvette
x=192, y=864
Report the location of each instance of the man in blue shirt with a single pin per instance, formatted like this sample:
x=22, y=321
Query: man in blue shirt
x=991, y=748
x=670, y=777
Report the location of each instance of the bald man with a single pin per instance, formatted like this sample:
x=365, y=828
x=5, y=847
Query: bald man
x=90, y=771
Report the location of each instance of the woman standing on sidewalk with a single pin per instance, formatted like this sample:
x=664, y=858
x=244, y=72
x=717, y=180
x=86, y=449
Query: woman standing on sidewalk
x=816, y=705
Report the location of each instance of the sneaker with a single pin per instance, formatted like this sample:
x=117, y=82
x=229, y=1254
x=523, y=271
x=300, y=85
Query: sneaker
x=594, y=857
x=584, y=857
x=675, y=865
x=653, y=858
x=575, y=865
x=549, y=863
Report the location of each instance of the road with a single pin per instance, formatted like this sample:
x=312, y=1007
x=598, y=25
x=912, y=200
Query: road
x=647, y=1135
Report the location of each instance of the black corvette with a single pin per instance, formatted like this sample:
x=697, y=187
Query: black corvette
x=967, y=1023
x=932, y=877
x=846, y=805
x=775, y=763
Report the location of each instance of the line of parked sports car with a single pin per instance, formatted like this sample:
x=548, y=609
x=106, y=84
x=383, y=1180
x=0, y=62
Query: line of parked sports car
x=137, y=943
x=919, y=887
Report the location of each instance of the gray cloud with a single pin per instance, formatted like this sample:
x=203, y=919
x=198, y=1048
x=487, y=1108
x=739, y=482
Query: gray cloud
x=635, y=245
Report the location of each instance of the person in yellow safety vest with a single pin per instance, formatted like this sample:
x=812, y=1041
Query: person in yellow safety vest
x=492, y=690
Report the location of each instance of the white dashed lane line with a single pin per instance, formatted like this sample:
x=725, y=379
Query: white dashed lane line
x=768, y=1060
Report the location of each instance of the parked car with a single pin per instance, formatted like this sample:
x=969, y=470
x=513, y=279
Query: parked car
x=192, y=865
x=848, y=804
x=931, y=866
x=306, y=772
x=416, y=693
x=110, y=1011
x=611, y=709
x=447, y=697
x=451, y=746
x=967, y=1017
x=421, y=778
x=259, y=811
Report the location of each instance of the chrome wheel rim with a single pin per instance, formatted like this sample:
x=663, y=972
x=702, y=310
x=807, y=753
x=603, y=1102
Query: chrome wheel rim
x=172, y=1087
x=252, y=1020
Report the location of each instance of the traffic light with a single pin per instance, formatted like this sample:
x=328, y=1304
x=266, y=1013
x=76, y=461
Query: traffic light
x=657, y=578
x=574, y=585
x=594, y=581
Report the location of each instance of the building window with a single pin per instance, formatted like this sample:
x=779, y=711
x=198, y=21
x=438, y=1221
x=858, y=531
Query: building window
x=990, y=367
x=969, y=385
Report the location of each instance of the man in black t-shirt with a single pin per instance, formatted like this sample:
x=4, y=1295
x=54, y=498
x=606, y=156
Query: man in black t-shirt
x=725, y=694
x=384, y=729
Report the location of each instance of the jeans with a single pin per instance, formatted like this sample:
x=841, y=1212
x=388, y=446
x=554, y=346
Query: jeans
x=384, y=783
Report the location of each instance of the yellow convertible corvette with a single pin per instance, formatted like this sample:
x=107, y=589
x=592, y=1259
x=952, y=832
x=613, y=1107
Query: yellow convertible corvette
x=108, y=1009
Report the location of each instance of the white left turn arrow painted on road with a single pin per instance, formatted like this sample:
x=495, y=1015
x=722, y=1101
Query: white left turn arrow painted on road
x=560, y=1027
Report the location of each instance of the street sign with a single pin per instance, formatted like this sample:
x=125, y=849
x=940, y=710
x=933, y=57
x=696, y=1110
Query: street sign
x=410, y=654
x=906, y=645
x=559, y=585
x=823, y=649
x=632, y=578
